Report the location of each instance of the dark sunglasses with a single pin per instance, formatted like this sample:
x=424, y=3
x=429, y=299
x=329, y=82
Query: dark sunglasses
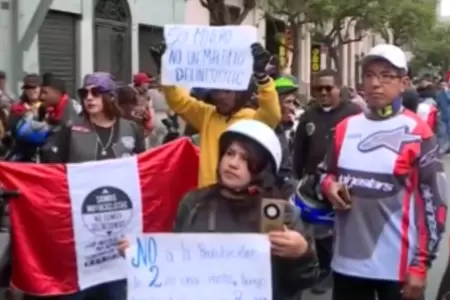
x=84, y=92
x=29, y=87
x=327, y=88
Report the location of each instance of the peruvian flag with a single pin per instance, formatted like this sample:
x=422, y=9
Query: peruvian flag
x=68, y=219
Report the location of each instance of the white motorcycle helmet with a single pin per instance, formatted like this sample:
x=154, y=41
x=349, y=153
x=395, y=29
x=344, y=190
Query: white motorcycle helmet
x=259, y=133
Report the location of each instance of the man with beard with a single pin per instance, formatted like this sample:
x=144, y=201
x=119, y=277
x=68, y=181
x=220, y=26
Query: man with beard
x=313, y=136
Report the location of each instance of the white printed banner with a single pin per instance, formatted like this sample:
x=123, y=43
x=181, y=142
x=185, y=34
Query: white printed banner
x=216, y=57
x=106, y=205
x=199, y=267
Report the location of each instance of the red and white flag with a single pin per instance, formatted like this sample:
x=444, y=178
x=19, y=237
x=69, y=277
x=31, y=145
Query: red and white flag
x=67, y=221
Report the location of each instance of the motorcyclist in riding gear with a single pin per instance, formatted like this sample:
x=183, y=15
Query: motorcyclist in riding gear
x=314, y=133
x=287, y=88
x=382, y=172
x=247, y=149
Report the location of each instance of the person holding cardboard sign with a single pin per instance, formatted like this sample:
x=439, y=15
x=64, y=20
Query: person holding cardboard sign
x=235, y=204
x=211, y=120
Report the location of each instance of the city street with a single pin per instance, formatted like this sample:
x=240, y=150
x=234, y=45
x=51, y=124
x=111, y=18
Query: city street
x=433, y=280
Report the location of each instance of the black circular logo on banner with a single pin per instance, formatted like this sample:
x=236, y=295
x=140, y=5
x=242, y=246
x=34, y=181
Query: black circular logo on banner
x=106, y=210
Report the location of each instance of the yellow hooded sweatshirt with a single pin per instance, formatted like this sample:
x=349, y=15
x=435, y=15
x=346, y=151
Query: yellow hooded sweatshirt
x=210, y=124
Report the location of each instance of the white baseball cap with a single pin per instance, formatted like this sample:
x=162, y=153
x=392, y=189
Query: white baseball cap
x=391, y=53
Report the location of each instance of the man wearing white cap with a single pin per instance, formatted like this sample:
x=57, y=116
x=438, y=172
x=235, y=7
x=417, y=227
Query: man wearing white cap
x=384, y=177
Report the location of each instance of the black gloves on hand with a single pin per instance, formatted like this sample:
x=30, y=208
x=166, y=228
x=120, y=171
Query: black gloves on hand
x=261, y=57
x=156, y=53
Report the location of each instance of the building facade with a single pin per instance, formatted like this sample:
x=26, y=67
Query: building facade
x=350, y=54
x=75, y=37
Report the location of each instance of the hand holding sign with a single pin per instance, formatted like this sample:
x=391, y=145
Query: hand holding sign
x=261, y=57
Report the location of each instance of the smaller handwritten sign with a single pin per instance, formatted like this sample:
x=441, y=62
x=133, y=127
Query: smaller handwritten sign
x=216, y=57
x=199, y=267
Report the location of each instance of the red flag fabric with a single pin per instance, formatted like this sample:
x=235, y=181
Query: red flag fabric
x=44, y=250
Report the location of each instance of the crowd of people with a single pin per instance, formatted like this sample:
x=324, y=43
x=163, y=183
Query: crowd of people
x=359, y=172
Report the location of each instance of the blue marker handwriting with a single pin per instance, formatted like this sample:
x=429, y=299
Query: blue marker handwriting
x=208, y=56
x=190, y=265
x=183, y=36
x=147, y=255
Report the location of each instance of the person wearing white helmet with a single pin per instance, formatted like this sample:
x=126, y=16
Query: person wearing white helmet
x=248, y=149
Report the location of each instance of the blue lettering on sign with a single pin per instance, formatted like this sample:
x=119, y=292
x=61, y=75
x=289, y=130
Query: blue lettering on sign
x=147, y=254
x=176, y=36
x=216, y=57
x=196, y=75
x=204, y=36
x=175, y=56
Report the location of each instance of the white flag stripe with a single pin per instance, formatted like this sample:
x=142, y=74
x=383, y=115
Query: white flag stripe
x=106, y=205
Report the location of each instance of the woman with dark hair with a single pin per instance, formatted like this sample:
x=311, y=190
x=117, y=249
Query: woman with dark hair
x=127, y=99
x=247, y=150
x=101, y=133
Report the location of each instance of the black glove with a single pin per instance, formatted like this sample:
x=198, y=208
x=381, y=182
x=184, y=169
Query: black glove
x=156, y=53
x=261, y=57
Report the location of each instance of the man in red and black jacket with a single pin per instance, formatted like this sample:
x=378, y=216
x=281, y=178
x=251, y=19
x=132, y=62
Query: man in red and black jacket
x=57, y=109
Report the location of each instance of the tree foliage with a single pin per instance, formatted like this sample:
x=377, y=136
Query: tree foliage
x=407, y=20
x=221, y=14
x=432, y=51
x=332, y=23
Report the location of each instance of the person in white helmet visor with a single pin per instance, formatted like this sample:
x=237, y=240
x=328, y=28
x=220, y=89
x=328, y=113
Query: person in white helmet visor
x=247, y=149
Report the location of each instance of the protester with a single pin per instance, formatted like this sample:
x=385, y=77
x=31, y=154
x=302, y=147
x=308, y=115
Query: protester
x=442, y=85
x=29, y=110
x=312, y=139
x=161, y=111
x=349, y=94
x=443, y=105
x=229, y=106
x=382, y=174
x=233, y=204
x=60, y=107
x=101, y=133
x=426, y=90
x=144, y=109
x=287, y=89
x=425, y=109
x=127, y=100
x=411, y=99
x=141, y=83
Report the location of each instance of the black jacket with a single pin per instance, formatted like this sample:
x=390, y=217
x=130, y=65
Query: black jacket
x=314, y=133
x=427, y=92
x=206, y=210
x=282, y=185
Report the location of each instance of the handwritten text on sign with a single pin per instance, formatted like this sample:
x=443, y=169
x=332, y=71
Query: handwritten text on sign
x=199, y=266
x=208, y=57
